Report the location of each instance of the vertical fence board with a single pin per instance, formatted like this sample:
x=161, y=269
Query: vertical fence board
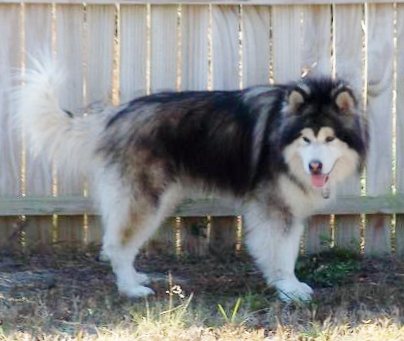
x=99, y=59
x=256, y=58
x=164, y=242
x=287, y=38
x=317, y=237
x=400, y=127
x=380, y=54
x=133, y=51
x=100, y=52
x=316, y=59
x=69, y=49
x=38, y=179
x=194, y=76
x=225, y=31
x=349, y=65
x=10, y=58
x=10, y=147
x=222, y=237
x=349, y=44
x=95, y=230
x=316, y=47
x=163, y=74
x=38, y=30
x=194, y=47
x=195, y=236
x=164, y=47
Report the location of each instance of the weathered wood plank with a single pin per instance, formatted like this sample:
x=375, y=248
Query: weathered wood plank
x=348, y=42
x=99, y=56
x=38, y=234
x=194, y=47
x=316, y=47
x=163, y=241
x=194, y=235
x=226, y=69
x=70, y=50
x=218, y=2
x=38, y=178
x=164, y=48
x=348, y=54
x=287, y=43
x=38, y=35
x=317, y=237
x=42, y=206
x=399, y=235
x=348, y=232
x=133, y=52
x=10, y=59
x=316, y=61
x=10, y=144
x=256, y=56
x=225, y=31
x=99, y=43
x=380, y=53
x=223, y=237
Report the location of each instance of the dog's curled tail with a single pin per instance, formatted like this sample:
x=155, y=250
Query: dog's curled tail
x=48, y=129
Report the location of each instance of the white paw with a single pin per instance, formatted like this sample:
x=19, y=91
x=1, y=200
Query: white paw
x=130, y=284
x=291, y=290
x=135, y=291
x=142, y=278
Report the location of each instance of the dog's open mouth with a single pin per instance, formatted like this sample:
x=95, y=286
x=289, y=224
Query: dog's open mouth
x=319, y=180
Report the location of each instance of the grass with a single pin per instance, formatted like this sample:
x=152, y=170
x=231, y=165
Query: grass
x=200, y=300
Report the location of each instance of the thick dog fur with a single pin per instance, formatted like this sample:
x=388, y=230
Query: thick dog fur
x=281, y=150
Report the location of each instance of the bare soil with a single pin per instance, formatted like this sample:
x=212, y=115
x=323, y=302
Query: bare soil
x=64, y=286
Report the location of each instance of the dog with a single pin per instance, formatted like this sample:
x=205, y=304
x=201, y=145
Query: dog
x=281, y=150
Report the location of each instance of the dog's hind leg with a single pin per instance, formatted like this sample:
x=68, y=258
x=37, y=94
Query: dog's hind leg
x=273, y=238
x=130, y=220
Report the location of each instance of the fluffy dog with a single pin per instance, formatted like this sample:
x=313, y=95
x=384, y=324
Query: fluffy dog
x=279, y=149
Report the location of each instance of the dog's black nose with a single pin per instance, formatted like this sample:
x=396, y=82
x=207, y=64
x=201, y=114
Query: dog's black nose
x=315, y=167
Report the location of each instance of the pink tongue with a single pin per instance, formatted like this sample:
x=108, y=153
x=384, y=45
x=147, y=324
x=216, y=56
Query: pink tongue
x=319, y=180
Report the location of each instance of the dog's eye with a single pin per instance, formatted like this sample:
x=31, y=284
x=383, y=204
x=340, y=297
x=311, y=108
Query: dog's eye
x=305, y=139
x=329, y=139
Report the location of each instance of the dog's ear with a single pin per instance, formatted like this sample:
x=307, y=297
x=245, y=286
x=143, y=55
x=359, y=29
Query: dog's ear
x=295, y=100
x=345, y=100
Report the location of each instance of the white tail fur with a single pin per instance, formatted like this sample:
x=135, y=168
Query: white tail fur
x=49, y=130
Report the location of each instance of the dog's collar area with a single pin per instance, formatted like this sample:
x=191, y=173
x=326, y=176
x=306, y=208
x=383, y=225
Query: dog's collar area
x=325, y=191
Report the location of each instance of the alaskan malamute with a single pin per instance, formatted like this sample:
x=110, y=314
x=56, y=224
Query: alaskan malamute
x=280, y=149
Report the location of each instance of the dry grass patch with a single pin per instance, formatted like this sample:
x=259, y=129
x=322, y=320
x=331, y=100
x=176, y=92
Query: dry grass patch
x=73, y=297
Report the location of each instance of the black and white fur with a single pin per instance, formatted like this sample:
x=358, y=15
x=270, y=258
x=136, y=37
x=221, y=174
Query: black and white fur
x=280, y=149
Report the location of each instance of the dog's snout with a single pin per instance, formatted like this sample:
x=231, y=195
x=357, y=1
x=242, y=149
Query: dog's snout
x=315, y=167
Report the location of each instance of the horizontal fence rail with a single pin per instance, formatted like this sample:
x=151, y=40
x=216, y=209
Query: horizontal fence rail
x=213, y=2
x=116, y=51
x=71, y=206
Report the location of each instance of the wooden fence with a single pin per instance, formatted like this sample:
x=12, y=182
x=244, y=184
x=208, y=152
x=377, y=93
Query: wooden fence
x=116, y=51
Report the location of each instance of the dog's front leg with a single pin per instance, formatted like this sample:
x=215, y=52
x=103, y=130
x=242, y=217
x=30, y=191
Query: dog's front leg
x=273, y=239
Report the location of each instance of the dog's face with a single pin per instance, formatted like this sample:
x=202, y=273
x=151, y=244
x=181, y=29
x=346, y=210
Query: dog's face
x=323, y=148
x=317, y=158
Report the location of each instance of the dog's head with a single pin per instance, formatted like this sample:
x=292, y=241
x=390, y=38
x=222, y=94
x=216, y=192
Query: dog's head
x=324, y=136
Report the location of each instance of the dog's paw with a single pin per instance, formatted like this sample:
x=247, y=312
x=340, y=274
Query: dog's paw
x=291, y=290
x=136, y=291
x=142, y=278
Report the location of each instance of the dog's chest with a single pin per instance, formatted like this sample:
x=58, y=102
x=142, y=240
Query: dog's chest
x=302, y=203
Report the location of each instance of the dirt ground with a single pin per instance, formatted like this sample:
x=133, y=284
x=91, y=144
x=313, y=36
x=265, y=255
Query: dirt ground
x=51, y=284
